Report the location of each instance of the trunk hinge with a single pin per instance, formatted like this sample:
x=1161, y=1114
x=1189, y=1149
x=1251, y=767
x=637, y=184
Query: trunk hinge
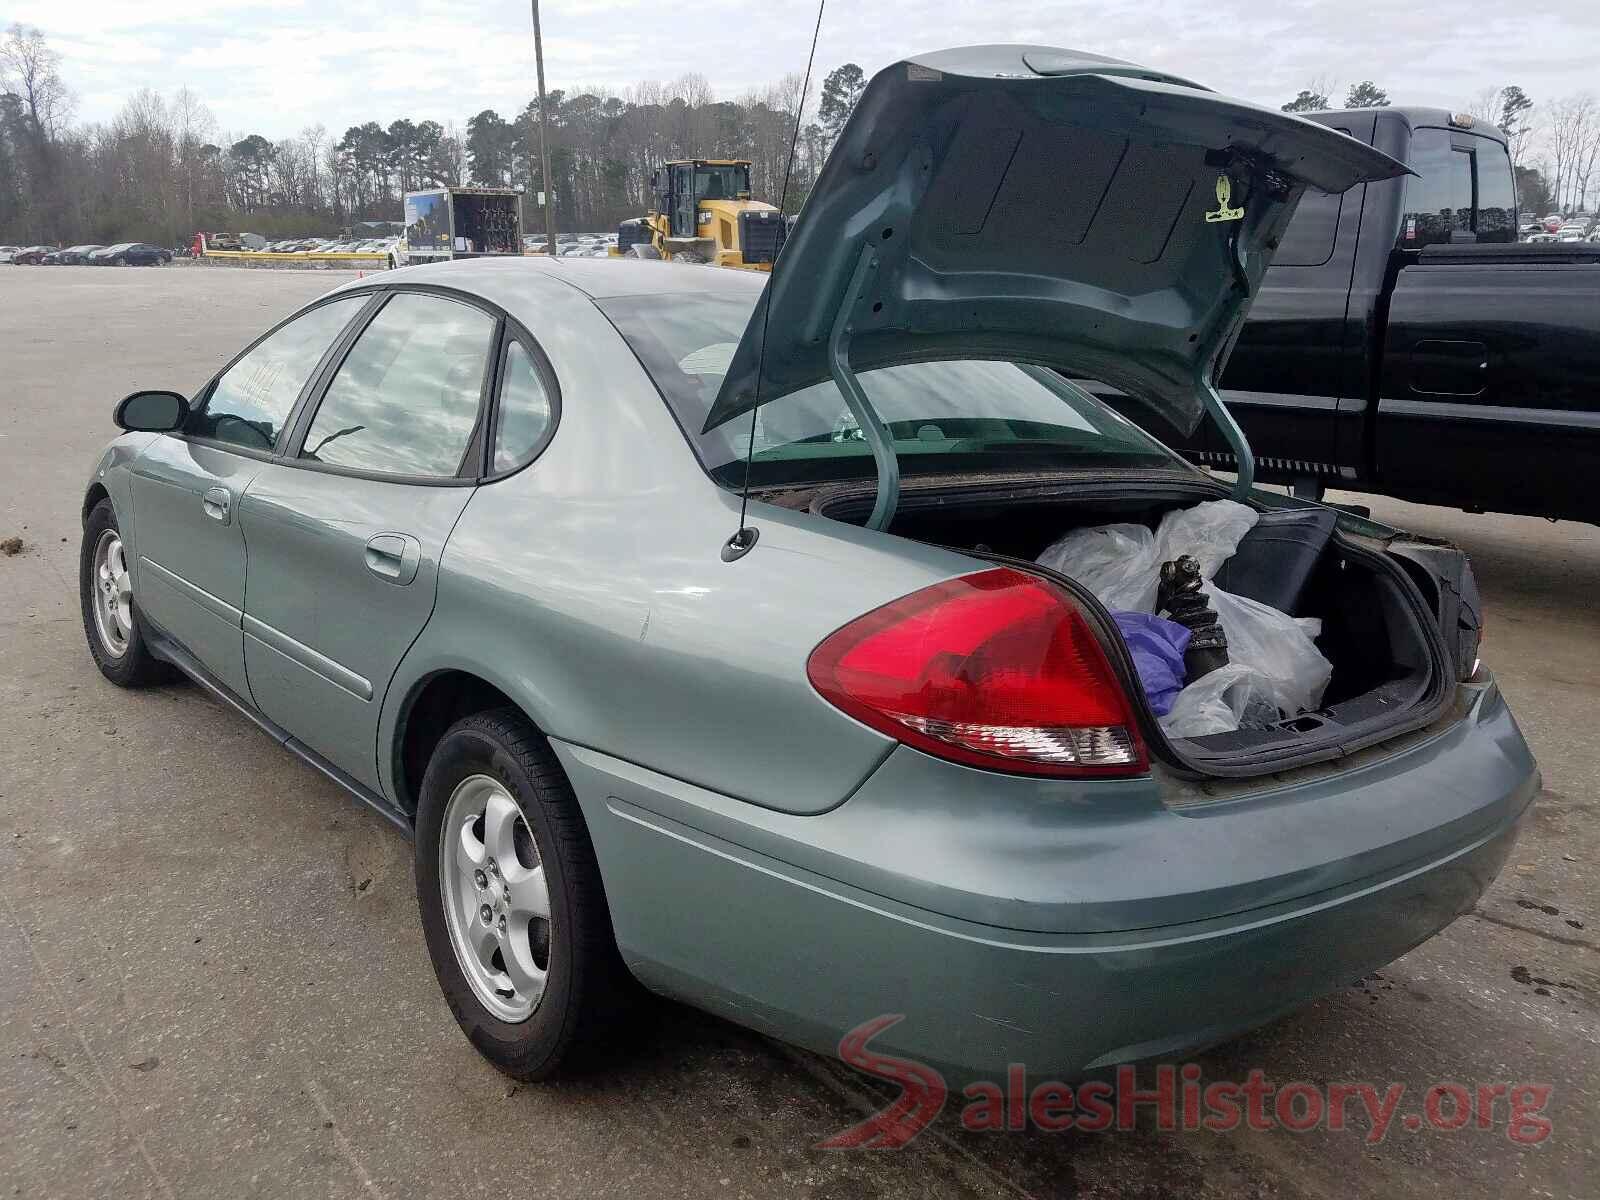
x=1235, y=438
x=856, y=399
x=1209, y=396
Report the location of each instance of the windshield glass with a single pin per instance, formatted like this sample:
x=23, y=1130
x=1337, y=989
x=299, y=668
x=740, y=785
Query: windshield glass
x=721, y=183
x=944, y=417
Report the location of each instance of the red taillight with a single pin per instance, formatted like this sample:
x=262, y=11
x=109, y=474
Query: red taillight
x=997, y=669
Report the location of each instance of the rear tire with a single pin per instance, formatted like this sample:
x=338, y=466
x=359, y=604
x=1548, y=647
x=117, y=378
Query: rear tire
x=119, y=261
x=534, y=996
x=111, y=618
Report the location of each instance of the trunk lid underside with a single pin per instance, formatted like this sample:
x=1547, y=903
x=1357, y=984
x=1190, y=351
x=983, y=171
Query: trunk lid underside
x=1040, y=206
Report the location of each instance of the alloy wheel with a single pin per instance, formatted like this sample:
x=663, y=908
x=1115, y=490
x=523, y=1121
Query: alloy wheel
x=496, y=898
x=113, y=594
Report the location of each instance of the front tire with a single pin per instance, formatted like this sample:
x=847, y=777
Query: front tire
x=110, y=617
x=512, y=905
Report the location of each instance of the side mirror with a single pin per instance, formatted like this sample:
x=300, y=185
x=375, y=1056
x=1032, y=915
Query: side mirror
x=152, y=412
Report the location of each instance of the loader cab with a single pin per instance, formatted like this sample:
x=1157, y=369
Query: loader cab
x=681, y=186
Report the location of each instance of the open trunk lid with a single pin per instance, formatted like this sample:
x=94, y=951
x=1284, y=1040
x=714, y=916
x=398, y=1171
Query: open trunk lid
x=1040, y=206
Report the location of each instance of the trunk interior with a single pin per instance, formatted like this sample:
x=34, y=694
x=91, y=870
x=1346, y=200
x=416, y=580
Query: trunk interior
x=1375, y=622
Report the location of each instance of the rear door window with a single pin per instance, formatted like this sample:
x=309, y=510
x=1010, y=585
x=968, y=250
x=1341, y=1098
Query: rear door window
x=406, y=399
x=1312, y=231
x=1308, y=242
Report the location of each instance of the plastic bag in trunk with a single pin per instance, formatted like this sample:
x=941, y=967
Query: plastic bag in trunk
x=1274, y=670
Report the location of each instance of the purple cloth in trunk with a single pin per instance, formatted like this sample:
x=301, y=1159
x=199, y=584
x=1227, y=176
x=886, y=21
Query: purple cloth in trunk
x=1157, y=646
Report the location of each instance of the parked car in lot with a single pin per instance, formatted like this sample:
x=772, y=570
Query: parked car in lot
x=8, y=253
x=470, y=540
x=124, y=254
x=76, y=255
x=31, y=256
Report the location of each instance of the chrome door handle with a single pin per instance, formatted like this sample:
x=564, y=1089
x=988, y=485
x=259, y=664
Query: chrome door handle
x=394, y=557
x=217, y=503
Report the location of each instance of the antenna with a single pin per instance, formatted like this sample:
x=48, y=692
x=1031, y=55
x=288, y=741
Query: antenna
x=744, y=537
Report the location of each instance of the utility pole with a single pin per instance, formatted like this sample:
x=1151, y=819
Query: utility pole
x=544, y=144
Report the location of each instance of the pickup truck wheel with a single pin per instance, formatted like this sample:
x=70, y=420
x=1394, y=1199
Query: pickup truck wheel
x=110, y=616
x=511, y=900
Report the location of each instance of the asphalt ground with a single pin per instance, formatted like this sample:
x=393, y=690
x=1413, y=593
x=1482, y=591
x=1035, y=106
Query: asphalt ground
x=213, y=983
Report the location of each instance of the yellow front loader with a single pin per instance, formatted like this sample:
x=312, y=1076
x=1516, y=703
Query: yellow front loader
x=701, y=211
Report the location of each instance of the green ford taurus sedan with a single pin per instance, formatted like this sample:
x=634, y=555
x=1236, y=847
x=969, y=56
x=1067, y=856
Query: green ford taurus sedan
x=473, y=540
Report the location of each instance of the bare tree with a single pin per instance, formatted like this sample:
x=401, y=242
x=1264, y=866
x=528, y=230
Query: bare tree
x=1585, y=155
x=28, y=69
x=1574, y=127
x=1485, y=106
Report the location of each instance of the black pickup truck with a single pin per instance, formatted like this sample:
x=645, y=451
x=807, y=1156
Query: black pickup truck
x=1404, y=343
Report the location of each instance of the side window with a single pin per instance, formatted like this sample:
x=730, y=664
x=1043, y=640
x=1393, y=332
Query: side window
x=1308, y=241
x=1312, y=231
x=405, y=400
x=525, y=411
x=252, y=399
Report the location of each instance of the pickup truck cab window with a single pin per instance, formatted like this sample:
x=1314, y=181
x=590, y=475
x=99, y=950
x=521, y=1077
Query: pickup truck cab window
x=1312, y=231
x=406, y=399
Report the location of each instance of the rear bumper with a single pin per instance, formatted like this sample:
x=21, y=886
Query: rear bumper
x=762, y=918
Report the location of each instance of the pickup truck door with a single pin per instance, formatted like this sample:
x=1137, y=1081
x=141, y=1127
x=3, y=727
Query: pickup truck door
x=346, y=530
x=1286, y=382
x=1488, y=395
x=189, y=575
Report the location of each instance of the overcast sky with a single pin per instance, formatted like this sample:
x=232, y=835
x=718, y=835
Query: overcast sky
x=273, y=68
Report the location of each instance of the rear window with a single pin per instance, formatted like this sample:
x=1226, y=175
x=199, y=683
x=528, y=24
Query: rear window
x=945, y=417
x=1462, y=191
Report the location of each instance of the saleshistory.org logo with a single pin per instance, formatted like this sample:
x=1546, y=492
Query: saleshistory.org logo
x=1179, y=1100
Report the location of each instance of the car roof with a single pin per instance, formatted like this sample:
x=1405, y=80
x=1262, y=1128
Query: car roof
x=597, y=278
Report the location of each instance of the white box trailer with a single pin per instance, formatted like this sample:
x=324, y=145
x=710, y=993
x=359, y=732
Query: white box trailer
x=463, y=222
